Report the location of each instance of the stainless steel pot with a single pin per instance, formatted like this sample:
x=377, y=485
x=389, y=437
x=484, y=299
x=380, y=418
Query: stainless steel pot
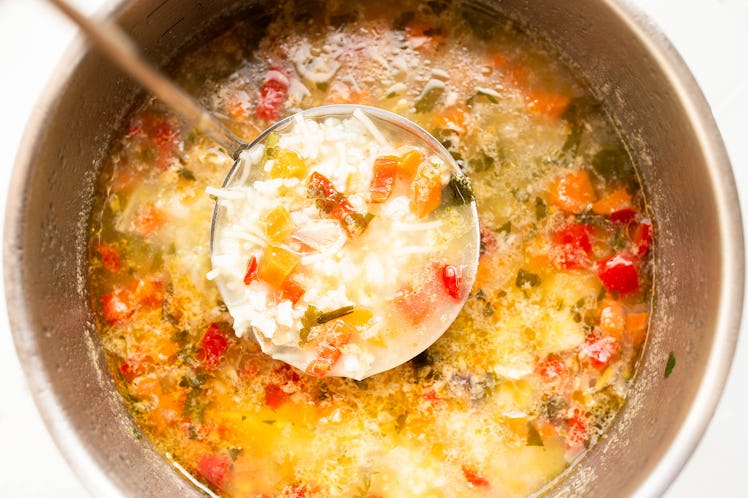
x=628, y=63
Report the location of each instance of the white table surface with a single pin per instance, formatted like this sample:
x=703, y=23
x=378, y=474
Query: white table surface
x=712, y=36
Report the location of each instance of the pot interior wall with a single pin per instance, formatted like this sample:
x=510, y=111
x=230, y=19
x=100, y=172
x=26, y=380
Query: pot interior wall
x=45, y=252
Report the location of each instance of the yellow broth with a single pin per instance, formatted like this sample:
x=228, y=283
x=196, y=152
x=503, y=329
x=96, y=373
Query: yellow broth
x=534, y=368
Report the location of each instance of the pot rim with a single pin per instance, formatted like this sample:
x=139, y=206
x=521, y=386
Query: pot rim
x=690, y=97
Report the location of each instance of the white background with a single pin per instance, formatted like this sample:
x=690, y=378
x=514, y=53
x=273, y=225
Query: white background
x=712, y=36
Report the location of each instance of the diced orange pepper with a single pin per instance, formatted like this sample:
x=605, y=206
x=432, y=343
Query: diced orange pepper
x=573, y=192
x=498, y=59
x=452, y=117
x=613, y=202
x=288, y=164
x=613, y=318
x=409, y=163
x=426, y=190
x=277, y=224
x=383, y=181
x=276, y=265
x=547, y=103
x=291, y=290
x=636, y=326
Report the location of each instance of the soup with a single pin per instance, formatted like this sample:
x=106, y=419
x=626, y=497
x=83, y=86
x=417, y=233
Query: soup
x=535, y=366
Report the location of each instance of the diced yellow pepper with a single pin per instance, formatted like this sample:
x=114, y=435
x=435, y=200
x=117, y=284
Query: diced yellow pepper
x=288, y=164
x=426, y=190
x=276, y=265
x=277, y=224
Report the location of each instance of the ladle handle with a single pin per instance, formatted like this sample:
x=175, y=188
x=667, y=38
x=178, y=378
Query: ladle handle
x=118, y=47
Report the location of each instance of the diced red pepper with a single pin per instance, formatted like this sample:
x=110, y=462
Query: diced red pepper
x=160, y=134
x=272, y=94
x=110, y=257
x=275, y=396
x=213, y=469
x=623, y=216
x=619, y=274
x=576, y=431
x=452, y=279
x=251, y=273
x=331, y=202
x=571, y=246
x=474, y=479
x=118, y=305
x=383, y=181
x=598, y=350
x=552, y=370
x=212, y=346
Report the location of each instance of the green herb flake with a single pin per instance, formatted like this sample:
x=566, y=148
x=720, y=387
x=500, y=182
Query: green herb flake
x=187, y=174
x=458, y=192
x=670, y=364
x=308, y=321
x=526, y=279
x=506, y=228
x=541, y=210
x=334, y=314
x=137, y=434
x=235, y=452
x=533, y=436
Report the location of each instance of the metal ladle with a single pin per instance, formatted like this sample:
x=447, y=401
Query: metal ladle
x=117, y=46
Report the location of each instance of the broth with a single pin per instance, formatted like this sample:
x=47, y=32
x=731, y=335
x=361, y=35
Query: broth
x=534, y=368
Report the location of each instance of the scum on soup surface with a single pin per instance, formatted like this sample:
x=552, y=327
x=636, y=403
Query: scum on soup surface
x=533, y=369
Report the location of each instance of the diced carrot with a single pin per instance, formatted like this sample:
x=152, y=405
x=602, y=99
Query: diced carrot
x=327, y=356
x=408, y=165
x=337, y=334
x=277, y=224
x=146, y=386
x=452, y=117
x=288, y=164
x=573, y=192
x=149, y=293
x=547, y=103
x=616, y=201
x=426, y=190
x=110, y=257
x=237, y=110
x=291, y=290
x=276, y=265
x=148, y=220
x=636, y=326
x=613, y=318
x=383, y=180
